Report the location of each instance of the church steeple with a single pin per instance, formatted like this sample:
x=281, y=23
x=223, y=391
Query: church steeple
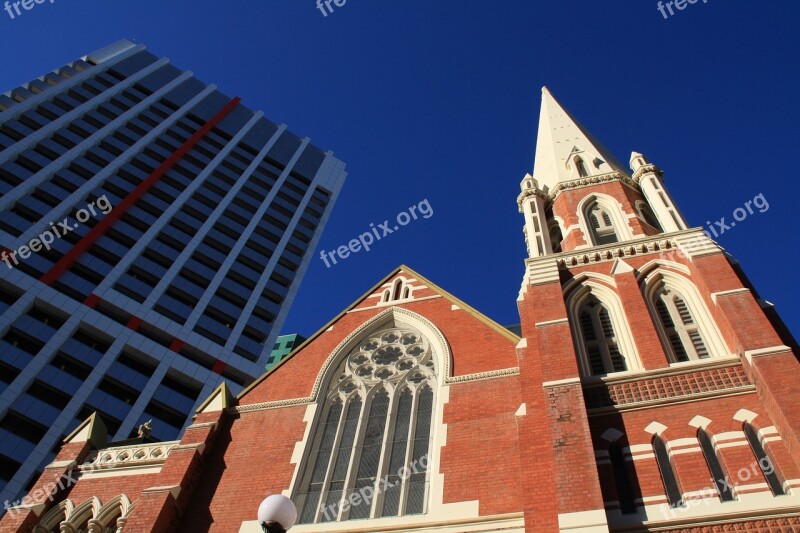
x=580, y=196
x=565, y=150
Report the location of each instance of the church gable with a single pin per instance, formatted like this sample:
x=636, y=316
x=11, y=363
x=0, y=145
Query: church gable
x=475, y=343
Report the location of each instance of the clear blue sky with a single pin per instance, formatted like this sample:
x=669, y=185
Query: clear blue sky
x=439, y=100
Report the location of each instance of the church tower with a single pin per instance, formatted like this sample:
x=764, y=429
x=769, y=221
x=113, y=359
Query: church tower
x=659, y=388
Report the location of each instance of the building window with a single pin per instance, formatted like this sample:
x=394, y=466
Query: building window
x=668, y=477
x=600, y=339
x=767, y=465
x=556, y=236
x=646, y=214
x=400, y=290
x=377, y=425
x=681, y=330
x=622, y=482
x=580, y=166
x=601, y=226
x=715, y=466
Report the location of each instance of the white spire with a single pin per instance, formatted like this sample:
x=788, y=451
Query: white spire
x=561, y=140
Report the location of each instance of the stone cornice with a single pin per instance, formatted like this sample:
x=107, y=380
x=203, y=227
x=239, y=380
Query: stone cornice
x=666, y=244
x=138, y=455
x=587, y=181
x=647, y=169
x=453, y=380
x=528, y=193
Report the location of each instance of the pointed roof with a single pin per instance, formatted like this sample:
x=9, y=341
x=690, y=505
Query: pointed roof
x=91, y=430
x=378, y=287
x=560, y=136
x=219, y=400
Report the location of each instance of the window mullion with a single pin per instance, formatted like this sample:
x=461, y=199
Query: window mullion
x=602, y=341
x=412, y=429
x=323, y=497
x=383, y=464
x=355, y=455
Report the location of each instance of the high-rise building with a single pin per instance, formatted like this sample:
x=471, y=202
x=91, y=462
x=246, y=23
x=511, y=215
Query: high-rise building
x=283, y=347
x=651, y=389
x=154, y=234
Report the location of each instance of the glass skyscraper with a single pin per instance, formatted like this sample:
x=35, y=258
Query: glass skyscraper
x=153, y=234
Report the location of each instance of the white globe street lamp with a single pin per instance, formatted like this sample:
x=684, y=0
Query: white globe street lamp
x=276, y=514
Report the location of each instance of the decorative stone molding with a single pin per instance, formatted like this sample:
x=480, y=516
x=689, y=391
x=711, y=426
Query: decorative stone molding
x=263, y=406
x=530, y=193
x=689, y=243
x=649, y=168
x=455, y=380
x=129, y=456
x=483, y=376
x=542, y=271
x=589, y=181
x=666, y=389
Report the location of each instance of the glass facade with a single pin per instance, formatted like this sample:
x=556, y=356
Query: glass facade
x=180, y=224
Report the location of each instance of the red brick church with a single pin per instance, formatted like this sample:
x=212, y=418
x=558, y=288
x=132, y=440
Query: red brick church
x=652, y=389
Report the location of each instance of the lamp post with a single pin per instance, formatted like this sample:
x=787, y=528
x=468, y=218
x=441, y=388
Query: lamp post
x=276, y=514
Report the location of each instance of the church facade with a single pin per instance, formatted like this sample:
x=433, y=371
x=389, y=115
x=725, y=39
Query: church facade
x=652, y=389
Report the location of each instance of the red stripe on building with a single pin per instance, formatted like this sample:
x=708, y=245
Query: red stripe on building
x=117, y=212
x=92, y=301
x=219, y=367
x=134, y=323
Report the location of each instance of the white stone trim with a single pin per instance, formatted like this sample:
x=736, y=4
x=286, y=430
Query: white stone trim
x=743, y=415
x=507, y=523
x=760, y=352
x=699, y=422
x=542, y=272
x=394, y=302
x=615, y=210
x=696, y=244
x=731, y=292
x=552, y=322
x=561, y=382
x=610, y=299
x=707, y=511
x=655, y=428
x=493, y=374
x=682, y=285
x=584, y=522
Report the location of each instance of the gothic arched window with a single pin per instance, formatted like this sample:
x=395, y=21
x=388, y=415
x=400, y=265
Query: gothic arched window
x=721, y=481
x=601, y=225
x=580, y=166
x=668, y=477
x=679, y=326
x=600, y=340
x=371, y=452
x=622, y=482
x=648, y=216
x=556, y=236
x=400, y=290
x=767, y=465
